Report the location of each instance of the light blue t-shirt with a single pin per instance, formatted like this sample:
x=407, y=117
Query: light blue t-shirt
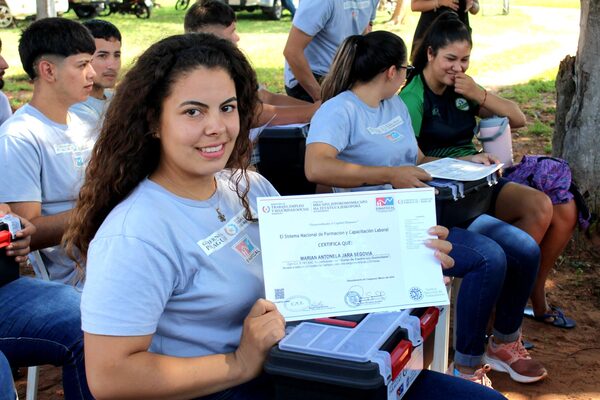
x=381, y=136
x=329, y=22
x=5, y=110
x=166, y=266
x=92, y=109
x=44, y=161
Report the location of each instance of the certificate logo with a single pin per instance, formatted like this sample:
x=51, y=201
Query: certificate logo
x=384, y=201
x=415, y=293
x=266, y=209
x=384, y=204
x=246, y=249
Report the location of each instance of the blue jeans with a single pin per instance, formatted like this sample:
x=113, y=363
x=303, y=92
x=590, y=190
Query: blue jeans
x=289, y=5
x=7, y=386
x=429, y=385
x=498, y=265
x=40, y=323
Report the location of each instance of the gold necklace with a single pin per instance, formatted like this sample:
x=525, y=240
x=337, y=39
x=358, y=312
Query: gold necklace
x=220, y=215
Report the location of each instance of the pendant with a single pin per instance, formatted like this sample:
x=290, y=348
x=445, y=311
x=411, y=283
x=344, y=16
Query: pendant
x=221, y=216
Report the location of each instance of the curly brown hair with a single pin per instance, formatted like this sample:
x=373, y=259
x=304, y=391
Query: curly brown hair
x=127, y=151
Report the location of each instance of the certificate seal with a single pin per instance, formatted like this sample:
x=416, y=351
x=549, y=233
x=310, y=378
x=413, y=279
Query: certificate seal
x=415, y=293
x=353, y=298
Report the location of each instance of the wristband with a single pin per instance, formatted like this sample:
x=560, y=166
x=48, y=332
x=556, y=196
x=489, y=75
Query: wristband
x=484, y=98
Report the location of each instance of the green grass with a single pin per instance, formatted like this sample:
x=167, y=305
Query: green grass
x=539, y=128
x=525, y=93
x=547, y=3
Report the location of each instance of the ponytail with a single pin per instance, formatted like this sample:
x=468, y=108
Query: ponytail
x=360, y=59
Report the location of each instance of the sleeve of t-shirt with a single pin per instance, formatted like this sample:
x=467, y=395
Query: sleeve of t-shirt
x=312, y=16
x=5, y=110
x=20, y=170
x=414, y=104
x=128, y=284
x=330, y=125
x=263, y=186
x=404, y=114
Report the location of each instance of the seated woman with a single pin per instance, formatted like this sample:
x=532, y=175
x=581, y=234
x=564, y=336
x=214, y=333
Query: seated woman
x=443, y=102
x=362, y=139
x=172, y=303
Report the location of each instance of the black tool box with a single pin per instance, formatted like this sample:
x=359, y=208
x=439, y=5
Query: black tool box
x=281, y=153
x=377, y=357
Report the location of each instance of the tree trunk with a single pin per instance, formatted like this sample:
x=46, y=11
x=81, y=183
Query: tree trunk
x=577, y=129
x=45, y=9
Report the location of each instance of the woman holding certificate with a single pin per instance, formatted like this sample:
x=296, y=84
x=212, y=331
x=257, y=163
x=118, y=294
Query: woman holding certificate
x=362, y=139
x=172, y=302
x=172, y=305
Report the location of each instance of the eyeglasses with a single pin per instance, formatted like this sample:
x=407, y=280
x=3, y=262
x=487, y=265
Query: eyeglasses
x=408, y=68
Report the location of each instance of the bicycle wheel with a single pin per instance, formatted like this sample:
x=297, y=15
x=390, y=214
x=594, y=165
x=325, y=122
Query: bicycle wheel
x=182, y=4
x=142, y=11
x=107, y=10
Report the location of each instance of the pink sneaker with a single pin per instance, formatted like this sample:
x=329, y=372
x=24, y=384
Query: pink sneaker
x=479, y=376
x=515, y=360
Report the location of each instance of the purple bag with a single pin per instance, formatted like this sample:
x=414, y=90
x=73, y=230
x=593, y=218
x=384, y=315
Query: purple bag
x=552, y=176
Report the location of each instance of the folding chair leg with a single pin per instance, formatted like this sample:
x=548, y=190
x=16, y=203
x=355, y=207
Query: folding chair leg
x=32, y=383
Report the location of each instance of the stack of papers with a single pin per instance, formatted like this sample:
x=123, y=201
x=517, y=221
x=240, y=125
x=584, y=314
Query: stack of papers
x=459, y=170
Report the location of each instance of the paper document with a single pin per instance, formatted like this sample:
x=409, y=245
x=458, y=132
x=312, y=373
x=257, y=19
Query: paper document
x=255, y=132
x=459, y=170
x=349, y=253
x=288, y=126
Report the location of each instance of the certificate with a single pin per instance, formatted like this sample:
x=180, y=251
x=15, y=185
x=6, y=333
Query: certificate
x=349, y=253
x=459, y=170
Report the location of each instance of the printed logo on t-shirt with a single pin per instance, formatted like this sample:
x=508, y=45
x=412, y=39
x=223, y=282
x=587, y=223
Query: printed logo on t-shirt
x=246, y=249
x=72, y=148
x=387, y=127
x=462, y=104
x=79, y=160
x=357, y=5
x=394, y=136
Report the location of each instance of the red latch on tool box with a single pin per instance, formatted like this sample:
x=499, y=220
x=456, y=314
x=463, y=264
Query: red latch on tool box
x=429, y=320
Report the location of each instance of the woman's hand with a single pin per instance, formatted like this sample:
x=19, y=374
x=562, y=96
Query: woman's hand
x=465, y=85
x=409, y=177
x=472, y=6
x=482, y=158
x=19, y=248
x=441, y=246
x=263, y=328
x=453, y=4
